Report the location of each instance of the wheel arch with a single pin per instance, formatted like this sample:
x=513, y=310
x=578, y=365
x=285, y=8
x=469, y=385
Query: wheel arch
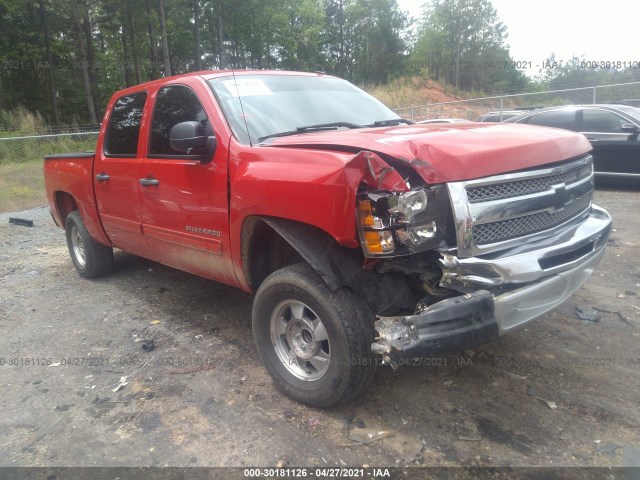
x=339, y=266
x=264, y=250
x=65, y=203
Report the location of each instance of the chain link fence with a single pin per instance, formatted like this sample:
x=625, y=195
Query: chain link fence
x=21, y=158
x=472, y=109
x=51, y=129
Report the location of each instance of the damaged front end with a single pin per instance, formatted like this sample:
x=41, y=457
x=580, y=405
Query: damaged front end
x=480, y=257
x=447, y=326
x=403, y=233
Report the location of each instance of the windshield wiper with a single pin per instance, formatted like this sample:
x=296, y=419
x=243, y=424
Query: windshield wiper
x=312, y=128
x=322, y=126
x=390, y=123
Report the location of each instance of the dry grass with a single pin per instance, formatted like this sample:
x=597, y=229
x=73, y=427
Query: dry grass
x=21, y=186
x=406, y=91
x=21, y=120
x=21, y=175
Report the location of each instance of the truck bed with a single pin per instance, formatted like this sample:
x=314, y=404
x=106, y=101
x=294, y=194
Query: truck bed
x=68, y=180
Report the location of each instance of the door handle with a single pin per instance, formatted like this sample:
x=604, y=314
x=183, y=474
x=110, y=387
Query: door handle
x=102, y=177
x=149, y=182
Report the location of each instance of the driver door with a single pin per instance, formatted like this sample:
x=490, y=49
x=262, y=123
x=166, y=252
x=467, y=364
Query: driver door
x=184, y=210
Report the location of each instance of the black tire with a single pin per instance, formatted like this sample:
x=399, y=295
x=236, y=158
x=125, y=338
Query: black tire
x=91, y=259
x=292, y=300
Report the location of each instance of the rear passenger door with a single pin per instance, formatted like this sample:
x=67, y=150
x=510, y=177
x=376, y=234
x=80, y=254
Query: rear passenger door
x=184, y=202
x=116, y=173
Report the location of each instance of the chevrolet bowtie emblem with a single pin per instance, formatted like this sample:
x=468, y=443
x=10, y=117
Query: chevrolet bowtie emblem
x=561, y=196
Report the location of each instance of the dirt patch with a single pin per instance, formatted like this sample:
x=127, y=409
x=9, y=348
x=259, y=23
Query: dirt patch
x=434, y=92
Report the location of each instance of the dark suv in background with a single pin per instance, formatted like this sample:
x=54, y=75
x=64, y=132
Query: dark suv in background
x=612, y=130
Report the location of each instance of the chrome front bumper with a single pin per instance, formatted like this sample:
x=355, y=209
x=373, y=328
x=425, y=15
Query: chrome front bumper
x=504, y=292
x=549, y=270
x=520, y=306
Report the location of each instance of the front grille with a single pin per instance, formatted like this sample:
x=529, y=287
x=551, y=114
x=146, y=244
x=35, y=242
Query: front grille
x=504, y=211
x=517, y=188
x=528, y=224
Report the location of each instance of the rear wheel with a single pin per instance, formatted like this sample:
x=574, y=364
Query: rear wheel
x=315, y=343
x=91, y=259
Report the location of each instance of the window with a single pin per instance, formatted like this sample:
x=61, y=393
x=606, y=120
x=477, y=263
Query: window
x=555, y=118
x=601, y=121
x=124, y=125
x=174, y=104
x=256, y=106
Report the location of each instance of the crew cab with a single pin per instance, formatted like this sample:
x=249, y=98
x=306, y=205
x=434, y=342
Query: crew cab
x=366, y=239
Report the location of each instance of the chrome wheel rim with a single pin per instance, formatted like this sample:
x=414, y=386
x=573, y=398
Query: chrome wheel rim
x=300, y=340
x=78, y=247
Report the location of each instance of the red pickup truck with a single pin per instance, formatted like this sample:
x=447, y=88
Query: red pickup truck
x=365, y=238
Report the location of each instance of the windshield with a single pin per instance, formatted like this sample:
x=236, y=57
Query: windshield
x=289, y=104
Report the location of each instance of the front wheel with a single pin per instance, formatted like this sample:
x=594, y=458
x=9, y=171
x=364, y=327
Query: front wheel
x=91, y=259
x=315, y=343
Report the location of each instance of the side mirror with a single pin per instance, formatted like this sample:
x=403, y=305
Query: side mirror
x=190, y=138
x=629, y=128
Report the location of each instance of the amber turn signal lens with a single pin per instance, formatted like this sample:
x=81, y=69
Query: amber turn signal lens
x=372, y=239
x=375, y=242
x=365, y=216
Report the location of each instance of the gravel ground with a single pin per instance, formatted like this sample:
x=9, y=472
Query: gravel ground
x=563, y=392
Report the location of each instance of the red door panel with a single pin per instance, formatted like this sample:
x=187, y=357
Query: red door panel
x=116, y=173
x=184, y=215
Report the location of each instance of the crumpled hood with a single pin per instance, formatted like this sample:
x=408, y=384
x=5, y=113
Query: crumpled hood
x=453, y=152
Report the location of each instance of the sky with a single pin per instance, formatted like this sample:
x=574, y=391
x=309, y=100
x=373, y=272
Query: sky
x=602, y=30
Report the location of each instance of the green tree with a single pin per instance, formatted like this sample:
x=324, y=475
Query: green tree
x=300, y=35
x=376, y=43
x=463, y=43
x=335, y=37
x=73, y=54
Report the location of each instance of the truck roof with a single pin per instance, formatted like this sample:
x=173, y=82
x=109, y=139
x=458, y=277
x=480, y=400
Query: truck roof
x=209, y=74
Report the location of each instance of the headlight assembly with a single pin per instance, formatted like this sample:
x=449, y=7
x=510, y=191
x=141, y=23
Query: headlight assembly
x=391, y=224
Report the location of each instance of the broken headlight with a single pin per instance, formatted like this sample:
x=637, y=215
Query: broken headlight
x=391, y=224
